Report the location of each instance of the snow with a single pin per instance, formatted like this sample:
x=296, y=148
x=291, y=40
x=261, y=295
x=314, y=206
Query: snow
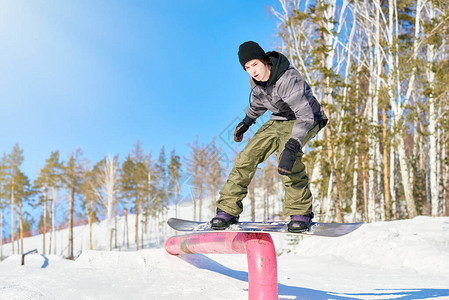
x=407, y=259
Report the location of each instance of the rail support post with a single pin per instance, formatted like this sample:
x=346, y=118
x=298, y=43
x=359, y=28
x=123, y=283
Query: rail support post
x=25, y=254
x=259, y=249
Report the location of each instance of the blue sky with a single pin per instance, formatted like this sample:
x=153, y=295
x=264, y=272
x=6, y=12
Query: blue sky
x=101, y=75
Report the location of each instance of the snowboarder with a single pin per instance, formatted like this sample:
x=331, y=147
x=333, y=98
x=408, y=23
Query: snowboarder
x=296, y=118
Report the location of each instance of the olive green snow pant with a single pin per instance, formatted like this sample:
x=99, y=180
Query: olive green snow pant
x=270, y=138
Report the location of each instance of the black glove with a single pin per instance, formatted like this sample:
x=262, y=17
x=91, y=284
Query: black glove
x=288, y=156
x=241, y=128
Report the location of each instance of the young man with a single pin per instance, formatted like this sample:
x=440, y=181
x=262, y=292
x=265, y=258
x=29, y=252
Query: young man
x=296, y=118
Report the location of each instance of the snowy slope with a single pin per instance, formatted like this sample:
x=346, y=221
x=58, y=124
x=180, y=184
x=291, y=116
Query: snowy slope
x=390, y=260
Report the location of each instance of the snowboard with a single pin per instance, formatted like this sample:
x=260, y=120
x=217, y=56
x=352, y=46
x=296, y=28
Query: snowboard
x=316, y=228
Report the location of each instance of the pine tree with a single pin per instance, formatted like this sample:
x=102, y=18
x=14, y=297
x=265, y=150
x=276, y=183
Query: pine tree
x=23, y=192
x=127, y=189
x=141, y=187
x=49, y=179
x=41, y=184
x=73, y=172
x=56, y=183
x=91, y=198
x=173, y=178
x=13, y=162
x=161, y=182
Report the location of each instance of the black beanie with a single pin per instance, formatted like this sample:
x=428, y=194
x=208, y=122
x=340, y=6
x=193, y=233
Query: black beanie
x=249, y=51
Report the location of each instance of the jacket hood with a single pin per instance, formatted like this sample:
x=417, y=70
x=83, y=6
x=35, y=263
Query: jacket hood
x=280, y=64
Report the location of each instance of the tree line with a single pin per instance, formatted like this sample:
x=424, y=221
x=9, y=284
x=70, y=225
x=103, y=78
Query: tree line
x=138, y=185
x=380, y=68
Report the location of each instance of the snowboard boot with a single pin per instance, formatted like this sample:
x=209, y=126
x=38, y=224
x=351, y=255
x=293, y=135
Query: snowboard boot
x=300, y=223
x=223, y=220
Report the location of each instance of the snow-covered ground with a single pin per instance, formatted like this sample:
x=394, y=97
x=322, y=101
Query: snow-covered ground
x=406, y=259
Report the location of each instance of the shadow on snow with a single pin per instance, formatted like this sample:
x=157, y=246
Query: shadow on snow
x=292, y=292
x=45, y=264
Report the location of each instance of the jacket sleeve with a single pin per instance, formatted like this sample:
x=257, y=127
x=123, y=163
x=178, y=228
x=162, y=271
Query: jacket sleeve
x=295, y=92
x=256, y=108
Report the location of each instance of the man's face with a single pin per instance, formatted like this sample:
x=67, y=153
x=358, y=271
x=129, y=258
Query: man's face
x=258, y=70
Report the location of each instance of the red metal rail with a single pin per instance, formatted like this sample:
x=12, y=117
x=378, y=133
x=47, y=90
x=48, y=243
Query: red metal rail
x=259, y=248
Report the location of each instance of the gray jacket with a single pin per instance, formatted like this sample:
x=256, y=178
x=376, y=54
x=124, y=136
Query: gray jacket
x=288, y=98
